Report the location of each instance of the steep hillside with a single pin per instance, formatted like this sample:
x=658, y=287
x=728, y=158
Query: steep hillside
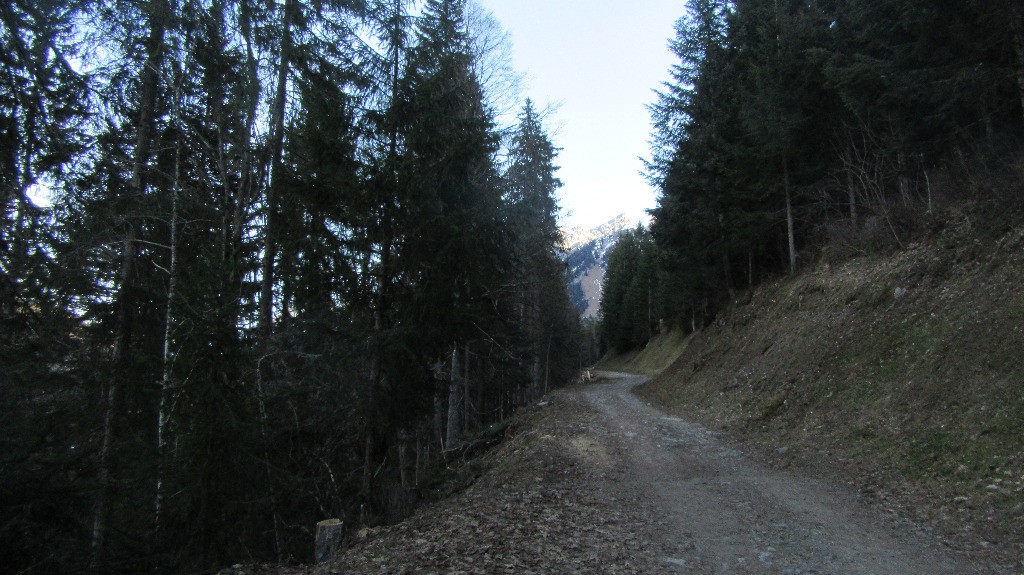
x=901, y=374
x=587, y=258
x=658, y=355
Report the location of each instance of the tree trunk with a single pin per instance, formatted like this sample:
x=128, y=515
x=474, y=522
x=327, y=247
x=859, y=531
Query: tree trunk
x=367, y=480
x=650, y=313
x=851, y=194
x=538, y=370
x=727, y=271
x=275, y=161
x=790, y=234
x=439, y=418
x=750, y=271
x=248, y=183
x=928, y=189
x=454, y=400
x=278, y=544
x=406, y=460
x=172, y=289
x=420, y=459
x=379, y=233
x=469, y=413
x=902, y=182
x=726, y=267
x=266, y=308
x=148, y=80
x=547, y=365
x=502, y=399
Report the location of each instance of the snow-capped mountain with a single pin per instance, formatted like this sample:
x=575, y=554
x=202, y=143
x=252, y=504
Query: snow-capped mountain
x=587, y=258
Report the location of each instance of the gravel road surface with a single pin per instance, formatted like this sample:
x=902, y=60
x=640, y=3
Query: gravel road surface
x=721, y=512
x=593, y=480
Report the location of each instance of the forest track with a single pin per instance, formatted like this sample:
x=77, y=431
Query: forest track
x=595, y=480
x=721, y=512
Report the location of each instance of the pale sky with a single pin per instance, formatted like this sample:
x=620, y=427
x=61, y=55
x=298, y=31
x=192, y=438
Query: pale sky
x=601, y=60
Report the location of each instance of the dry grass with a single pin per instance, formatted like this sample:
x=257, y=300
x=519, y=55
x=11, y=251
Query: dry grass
x=660, y=353
x=906, y=372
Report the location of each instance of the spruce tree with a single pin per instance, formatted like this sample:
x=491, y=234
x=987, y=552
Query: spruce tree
x=451, y=213
x=695, y=129
x=531, y=187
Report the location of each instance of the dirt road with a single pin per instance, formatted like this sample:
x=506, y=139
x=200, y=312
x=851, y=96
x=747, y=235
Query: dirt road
x=592, y=480
x=722, y=513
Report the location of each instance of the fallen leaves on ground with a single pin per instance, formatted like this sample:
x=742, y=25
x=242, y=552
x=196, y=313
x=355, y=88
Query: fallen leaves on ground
x=543, y=508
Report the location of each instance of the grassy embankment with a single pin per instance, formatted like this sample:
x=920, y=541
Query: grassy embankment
x=659, y=354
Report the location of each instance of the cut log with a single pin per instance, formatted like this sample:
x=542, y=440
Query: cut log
x=328, y=539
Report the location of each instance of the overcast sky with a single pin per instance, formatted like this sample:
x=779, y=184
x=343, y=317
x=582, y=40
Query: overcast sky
x=601, y=60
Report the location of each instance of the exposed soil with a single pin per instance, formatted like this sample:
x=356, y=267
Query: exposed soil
x=594, y=480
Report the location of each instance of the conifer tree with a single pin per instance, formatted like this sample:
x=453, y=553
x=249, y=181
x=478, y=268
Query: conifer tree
x=42, y=135
x=531, y=186
x=451, y=213
x=42, y=111
x=129, y=299
x=628, y=293
x=695, y=127
x=273, y=253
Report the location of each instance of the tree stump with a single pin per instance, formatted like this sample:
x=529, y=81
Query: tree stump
x=328, y=539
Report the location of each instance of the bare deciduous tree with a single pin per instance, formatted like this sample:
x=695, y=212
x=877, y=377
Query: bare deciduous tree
x=493, y=64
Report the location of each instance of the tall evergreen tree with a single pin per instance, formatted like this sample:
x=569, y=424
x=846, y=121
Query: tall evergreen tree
x=131, y=297
x=42, y=115
x=695, y=128
x=531, y=186
x=452, y=208
x=446, y=239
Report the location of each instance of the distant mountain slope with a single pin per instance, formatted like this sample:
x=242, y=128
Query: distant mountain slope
x=587, y=258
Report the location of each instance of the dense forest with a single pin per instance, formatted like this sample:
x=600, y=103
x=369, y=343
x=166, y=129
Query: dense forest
x=796, y=131
x=288, y=259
